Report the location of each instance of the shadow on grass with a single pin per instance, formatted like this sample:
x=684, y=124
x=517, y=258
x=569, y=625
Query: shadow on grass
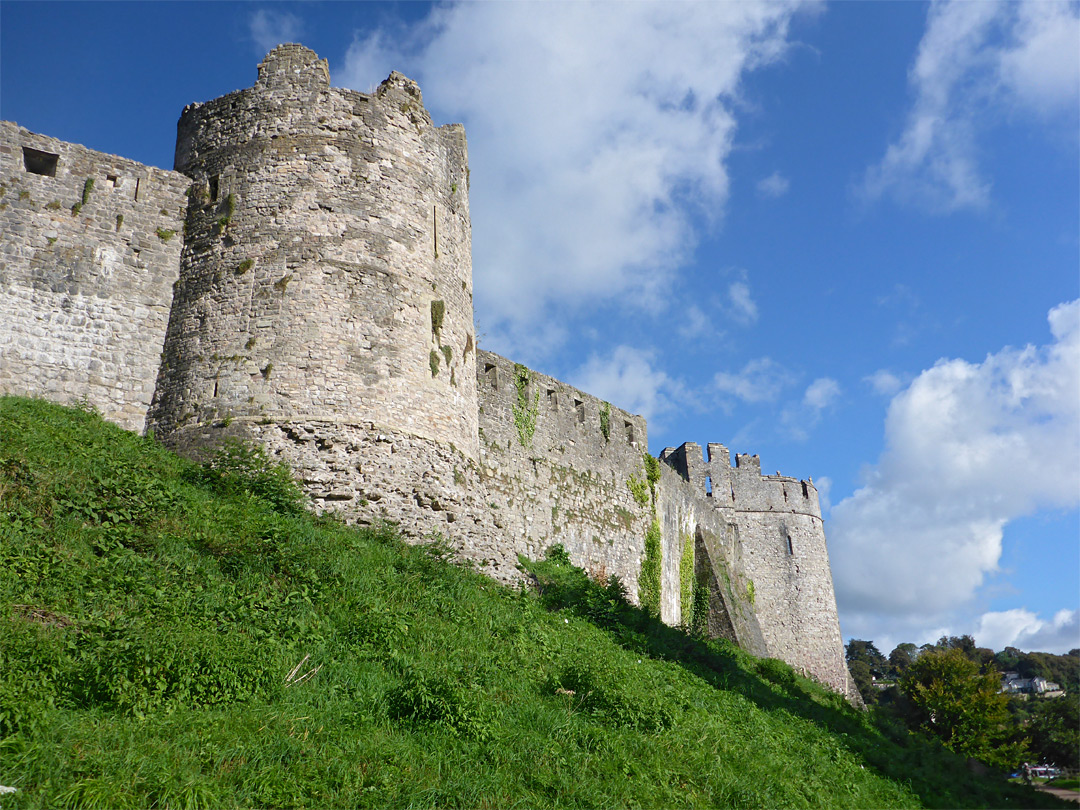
x=939, y=777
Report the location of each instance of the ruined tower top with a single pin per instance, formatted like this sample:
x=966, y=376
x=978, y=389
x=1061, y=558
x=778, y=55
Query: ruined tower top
x=292, y=67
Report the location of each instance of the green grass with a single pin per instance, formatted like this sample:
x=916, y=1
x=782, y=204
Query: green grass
x=152, y=611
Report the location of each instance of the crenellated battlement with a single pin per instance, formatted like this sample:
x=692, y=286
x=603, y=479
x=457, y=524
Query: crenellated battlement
x=741, y=488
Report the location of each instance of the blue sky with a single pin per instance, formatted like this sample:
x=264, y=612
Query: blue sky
x=843, y=236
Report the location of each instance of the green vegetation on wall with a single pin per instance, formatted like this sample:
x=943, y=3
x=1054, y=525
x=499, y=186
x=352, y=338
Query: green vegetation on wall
x=639, y=489
x=687, y=580
x=649, y=580
x=525, y=410
x=88, y=186
x=438, y=312
x=605, y=421
x=230, y=209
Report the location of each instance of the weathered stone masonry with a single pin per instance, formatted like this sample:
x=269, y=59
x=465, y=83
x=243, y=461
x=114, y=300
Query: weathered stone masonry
x=89, y=253
x=304, y=280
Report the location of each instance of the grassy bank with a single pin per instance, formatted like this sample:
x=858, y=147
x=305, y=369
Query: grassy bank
x=177, y=637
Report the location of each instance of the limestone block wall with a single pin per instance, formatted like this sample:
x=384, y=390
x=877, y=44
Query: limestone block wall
x=784, y=553
x=89, y=253
x=776, y=548
x=687, y=514
x=326, y=275
x=567, y=483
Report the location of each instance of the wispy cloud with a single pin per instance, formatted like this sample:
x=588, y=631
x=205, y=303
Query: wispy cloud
x=969, y=447
x=976, y=61
x=797, y=419
x=884, y=382
x=597, y=134
x=775, y=185
x=269, y=28
x=760, y=380
x=629, y=378
x=742, y=305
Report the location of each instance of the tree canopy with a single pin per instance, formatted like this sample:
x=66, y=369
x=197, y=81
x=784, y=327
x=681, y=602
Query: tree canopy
x=948, y=699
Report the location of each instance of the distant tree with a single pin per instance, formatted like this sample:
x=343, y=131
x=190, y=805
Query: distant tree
x=859, y=650
x=901, y=657
x=965, y=643
x=864, y=681
x=949, y=699
x=1055, y=730
x=984, y=657
x=1008, y=659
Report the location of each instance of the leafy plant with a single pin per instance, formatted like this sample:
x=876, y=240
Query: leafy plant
x=687, y=580
x=651, y=567
x=165, y=234
x=525, y=410
x=639, y=489
x=605, y=421
x=239, y=467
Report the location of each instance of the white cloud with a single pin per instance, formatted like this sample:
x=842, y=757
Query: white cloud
x=760, y=380
x=775, y=185
x=596, y=131
x=271, y=28
x=797, y=419
x=694, y=323
x=975, y=60
x=969, y=447
x=743, y=307
x=1024, y=630
x=628, y=379
x=821, y=393
x=884, y=382
x=1041, y=65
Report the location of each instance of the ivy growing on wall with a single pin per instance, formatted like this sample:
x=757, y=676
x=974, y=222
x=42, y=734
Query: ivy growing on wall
x=649, y=583
x=686, y=580
x=525, y=411
x=605, y=421
x=700, y=623
x=639, y=489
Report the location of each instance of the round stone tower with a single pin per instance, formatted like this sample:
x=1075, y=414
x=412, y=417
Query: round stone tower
x=326, y=274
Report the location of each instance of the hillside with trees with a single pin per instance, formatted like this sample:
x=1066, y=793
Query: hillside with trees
x=952, y=690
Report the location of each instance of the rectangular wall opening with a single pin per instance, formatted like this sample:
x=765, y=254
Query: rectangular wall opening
x=553, y=399
x=790, y=547
x=38, y=162
x=112, y=180
x=492, y=373
x=215, y=182
x=579, y=408
x=629, y=432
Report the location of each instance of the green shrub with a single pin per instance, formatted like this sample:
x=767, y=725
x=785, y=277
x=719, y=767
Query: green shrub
x=239, y=467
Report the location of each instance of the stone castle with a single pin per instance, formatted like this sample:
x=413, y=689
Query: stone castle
x=303, y=280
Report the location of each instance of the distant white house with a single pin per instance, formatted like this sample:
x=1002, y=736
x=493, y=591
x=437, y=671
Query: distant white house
x=1012, y=683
